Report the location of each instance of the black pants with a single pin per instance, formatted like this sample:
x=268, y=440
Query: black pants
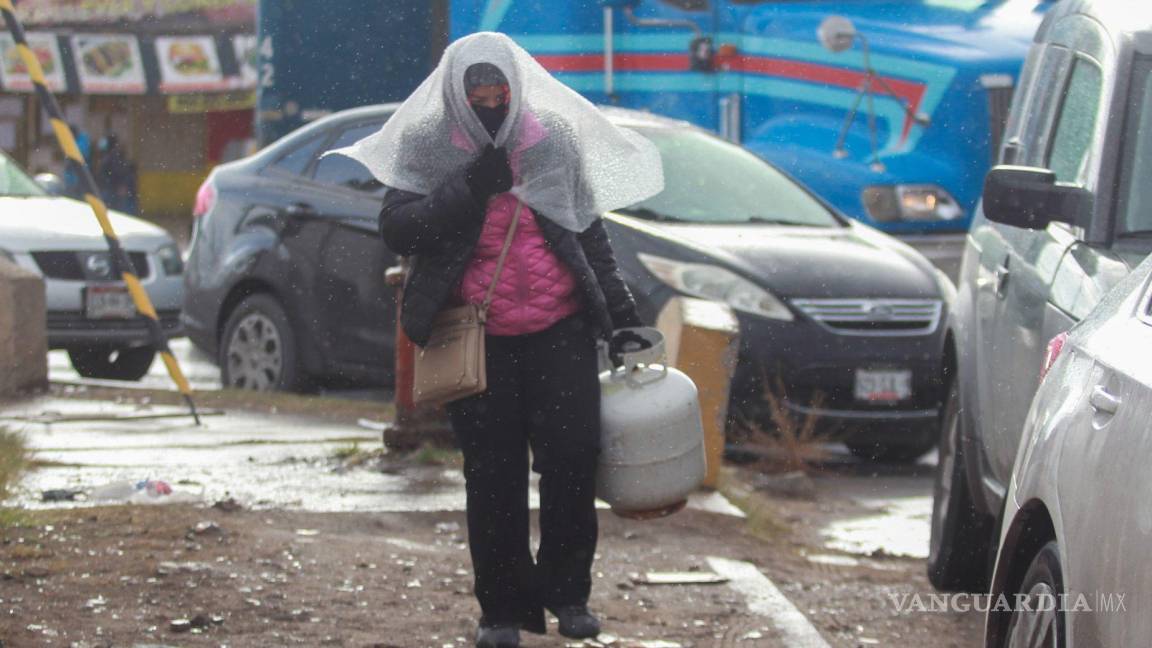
x=543, y=392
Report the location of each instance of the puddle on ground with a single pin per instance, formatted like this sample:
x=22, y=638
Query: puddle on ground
x=263, y=461
x=896, y=516
x=901, y=529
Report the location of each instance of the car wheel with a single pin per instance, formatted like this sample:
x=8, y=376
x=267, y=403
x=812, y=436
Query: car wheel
x=961, y=537
x=111, y=363
x=1040, y=623
x=258, y=350
x=890, y=453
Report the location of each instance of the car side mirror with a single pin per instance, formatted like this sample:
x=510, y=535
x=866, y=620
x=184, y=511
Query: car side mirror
x=51, y=183
x=1030, y=198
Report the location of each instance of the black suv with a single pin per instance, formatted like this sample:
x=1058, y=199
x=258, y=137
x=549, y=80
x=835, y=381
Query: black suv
x=1065, y=217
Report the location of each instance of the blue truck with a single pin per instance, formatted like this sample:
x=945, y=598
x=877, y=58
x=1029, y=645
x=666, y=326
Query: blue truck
x=891, y=110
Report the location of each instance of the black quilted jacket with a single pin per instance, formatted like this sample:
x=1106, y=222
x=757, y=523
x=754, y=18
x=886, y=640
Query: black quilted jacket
x=439, y=232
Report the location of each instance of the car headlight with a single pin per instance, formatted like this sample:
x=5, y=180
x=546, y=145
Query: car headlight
x=921, y=202
x=170, y=259
x=716, y=283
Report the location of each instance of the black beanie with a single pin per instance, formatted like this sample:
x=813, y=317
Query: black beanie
x=483, y=74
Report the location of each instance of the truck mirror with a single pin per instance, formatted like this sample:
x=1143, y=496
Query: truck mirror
x=836, y=33
x=1030, y=198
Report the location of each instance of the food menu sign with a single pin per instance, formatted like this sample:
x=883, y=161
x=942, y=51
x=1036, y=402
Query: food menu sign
x=189, y=64
x=35, y=12
x=14, y=74
x=109, y=63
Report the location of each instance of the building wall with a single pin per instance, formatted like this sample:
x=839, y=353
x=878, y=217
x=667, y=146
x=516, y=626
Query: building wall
x=171, y=152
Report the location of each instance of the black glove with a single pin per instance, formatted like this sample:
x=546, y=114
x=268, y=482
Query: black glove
x=625, y=342
x=489, y=174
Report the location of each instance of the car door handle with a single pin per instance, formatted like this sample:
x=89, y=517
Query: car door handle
x=1002, y=274
x=1103, y=402
x=300, y=210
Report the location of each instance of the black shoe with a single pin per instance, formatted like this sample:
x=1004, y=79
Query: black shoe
x=506, y=636
x=576, y=622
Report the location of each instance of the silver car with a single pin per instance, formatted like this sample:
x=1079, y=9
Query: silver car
x=1064, y=218
x=1082, y=472
x=90, y=313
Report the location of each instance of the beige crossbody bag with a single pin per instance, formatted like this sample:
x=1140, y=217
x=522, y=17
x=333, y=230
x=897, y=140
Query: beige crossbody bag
x=453, y=364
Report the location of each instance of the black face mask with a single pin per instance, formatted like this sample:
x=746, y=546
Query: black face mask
x=491, y=118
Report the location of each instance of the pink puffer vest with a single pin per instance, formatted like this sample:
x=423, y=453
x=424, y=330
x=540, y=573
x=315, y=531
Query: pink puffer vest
x=535, y=289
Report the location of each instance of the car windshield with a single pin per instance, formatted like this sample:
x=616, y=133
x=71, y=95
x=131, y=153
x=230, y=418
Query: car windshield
x=708, y=180
x=14, y=182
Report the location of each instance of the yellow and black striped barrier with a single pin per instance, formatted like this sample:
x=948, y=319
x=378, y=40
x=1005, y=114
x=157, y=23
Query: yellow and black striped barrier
x=120, y=261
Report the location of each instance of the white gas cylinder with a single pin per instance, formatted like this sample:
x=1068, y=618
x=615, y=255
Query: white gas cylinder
x=652, y=438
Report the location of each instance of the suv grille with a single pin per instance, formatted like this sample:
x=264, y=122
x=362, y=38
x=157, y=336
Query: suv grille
x=999, y=102
x=71, y=265
x=880, y=317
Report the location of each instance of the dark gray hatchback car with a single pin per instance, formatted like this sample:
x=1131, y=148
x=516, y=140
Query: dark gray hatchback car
x=1066, y=216
x=285, y=277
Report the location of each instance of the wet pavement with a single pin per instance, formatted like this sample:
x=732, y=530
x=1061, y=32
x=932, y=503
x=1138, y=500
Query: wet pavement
x=256, y=458
x=271, y=461
x=289, y=462
x=286, y=463
x=261, y=460
x=199, y=368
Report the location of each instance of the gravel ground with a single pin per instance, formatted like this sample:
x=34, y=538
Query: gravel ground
x=124, y=576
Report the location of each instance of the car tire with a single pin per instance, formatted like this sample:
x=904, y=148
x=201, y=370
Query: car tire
x=960, y=544
x=1034, y=625
x=258, y=349
x=110, y=363
x=890, y=453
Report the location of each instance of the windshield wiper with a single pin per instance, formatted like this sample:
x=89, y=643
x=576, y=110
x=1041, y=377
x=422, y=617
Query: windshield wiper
x=1136, y=234
x=648, y=214
x=762, y=220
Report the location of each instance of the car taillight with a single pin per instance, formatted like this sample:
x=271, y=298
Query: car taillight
x=205, y=198
x=1055, y=346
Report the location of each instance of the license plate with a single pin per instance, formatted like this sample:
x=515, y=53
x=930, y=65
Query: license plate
x=883, y=385
x=108, y=302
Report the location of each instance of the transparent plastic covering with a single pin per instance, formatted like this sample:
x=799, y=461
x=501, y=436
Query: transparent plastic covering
x=570, y=162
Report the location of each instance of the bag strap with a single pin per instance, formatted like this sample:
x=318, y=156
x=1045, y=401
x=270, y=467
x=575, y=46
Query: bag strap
x=500, y=261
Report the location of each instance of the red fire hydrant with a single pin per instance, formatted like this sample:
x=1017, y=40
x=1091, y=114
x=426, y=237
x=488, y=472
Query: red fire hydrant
x=405, y=350
x=414, y=425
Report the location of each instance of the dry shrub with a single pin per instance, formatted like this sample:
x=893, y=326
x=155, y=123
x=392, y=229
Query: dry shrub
x=13, y=459
x=792, y=442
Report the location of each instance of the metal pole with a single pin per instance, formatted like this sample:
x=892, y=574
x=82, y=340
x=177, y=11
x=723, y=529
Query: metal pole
x=841, y=140
x=869, y=80
x=609, y=53
x=121, y=264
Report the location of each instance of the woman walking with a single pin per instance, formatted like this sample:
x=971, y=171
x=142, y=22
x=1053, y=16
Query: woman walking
x=489, y=140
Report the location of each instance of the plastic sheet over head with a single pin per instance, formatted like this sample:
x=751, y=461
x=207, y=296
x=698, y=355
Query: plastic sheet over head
x=571, y=164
